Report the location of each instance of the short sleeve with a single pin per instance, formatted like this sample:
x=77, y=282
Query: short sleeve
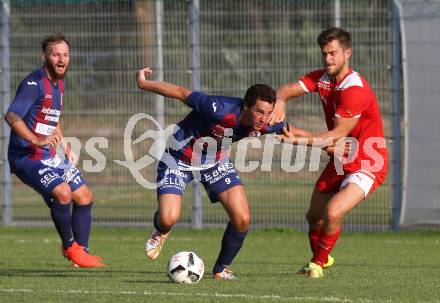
x=205, y=104
x=352, y=103
x=275, y=128
x=309, y=82
x=27, y=94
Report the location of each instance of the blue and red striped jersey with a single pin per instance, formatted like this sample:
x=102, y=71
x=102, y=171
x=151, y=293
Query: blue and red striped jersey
x=38, y=102
x=212, y=117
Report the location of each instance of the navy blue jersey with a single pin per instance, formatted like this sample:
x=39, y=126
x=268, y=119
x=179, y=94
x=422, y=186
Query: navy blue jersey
x=38, y=102
x=211, y=117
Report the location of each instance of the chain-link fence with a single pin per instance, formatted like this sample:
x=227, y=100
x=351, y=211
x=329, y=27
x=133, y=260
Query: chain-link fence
x=240, y=43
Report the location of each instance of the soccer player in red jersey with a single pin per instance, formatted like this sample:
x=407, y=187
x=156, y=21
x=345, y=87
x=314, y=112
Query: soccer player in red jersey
x=351, y=110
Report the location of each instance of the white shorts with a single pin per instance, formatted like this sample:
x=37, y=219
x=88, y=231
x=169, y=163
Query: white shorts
x=361, y=179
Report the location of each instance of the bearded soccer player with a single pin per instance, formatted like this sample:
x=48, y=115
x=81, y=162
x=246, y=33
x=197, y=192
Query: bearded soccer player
x=34, y=118
x=351, y=110
x=196, y=151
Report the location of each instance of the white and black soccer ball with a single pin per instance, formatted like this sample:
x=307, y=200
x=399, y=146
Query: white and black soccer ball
x=185, y=267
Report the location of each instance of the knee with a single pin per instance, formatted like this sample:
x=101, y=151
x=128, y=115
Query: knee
x=167, y=221
x=88, y=197
x=85, y=198
x=241, y=223
x=333, y=216
x=312, y=218
x=62, y=193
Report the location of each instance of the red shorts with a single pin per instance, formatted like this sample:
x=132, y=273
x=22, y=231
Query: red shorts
x=330, y=181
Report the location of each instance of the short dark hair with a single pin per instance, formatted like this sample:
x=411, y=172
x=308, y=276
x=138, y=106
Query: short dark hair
x=334, y=33
x=259, y=91
x=53, y=38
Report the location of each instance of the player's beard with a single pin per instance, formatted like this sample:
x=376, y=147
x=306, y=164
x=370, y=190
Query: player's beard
x=334, y=71
x=54, y=74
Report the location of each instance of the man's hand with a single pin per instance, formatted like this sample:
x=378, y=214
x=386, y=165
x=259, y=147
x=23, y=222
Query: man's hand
x=286, y=136
x=279, y=112
x=142, y=75
x=337, y=152
x=72, y=157
x=51, y=141
x=146, y=72
x=284, y=93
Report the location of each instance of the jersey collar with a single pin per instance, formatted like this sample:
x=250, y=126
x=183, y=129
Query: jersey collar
x=350, y=71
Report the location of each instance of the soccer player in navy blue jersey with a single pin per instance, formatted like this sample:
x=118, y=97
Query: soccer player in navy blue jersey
x=197, y=151
x=34, y=117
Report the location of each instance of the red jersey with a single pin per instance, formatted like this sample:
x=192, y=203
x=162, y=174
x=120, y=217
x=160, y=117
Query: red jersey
x=352, y=97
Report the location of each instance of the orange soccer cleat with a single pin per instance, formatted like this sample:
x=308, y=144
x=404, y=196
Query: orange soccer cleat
x=80, y=258
x=74, y=265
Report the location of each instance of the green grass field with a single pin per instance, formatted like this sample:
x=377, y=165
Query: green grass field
x=370, y=267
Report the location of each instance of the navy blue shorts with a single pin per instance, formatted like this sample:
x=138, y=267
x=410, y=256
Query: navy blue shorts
x=44, y=175
x=216, y=179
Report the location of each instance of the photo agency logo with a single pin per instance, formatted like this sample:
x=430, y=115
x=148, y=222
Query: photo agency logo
x=163, y=146
x=161, y=140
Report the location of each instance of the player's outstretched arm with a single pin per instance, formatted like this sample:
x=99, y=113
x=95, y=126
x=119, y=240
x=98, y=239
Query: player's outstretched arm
x=343, y=126
x=284, y=93
x=299, y=132
x=159, y=87
x=292, y=134
x=18, y=126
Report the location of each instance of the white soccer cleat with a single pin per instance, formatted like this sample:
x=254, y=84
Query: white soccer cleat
x=154, y=243
x=314, y=271
x=226, y=274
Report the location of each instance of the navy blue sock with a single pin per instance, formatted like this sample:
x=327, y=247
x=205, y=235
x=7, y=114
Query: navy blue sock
x=62, y=218
x=81, y=223
x=231, y=244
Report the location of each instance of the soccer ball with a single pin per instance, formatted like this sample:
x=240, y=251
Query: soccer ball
x=185, y=267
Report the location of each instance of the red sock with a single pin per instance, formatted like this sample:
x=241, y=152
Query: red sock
x=314, y=235
x=325, y=246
